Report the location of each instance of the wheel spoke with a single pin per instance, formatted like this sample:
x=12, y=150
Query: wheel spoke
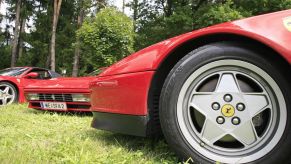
x=256, y=103
x=10, y=96
x=4, y=101
x=227, y=83
x=6, y=90
x=212, y=132
x=245, y=133
x=201, y=102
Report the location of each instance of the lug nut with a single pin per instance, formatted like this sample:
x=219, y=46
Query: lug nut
x=235, y=121
x=215, y=106
x=220, y=120
x=240, y=107
x=202, y=144
x=227, y=98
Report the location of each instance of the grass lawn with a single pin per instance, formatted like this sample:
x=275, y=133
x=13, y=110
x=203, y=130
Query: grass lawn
x=32, y=136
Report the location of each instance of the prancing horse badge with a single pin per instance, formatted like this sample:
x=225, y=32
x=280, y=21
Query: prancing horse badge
x=287, y=23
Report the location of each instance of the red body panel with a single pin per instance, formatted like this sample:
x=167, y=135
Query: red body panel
x=61, y=86
x=36, y=104
x=123, y=87
x=63, y=83
x=122, y=93
x=268, y=29
x=20, y=82
x=17, y=82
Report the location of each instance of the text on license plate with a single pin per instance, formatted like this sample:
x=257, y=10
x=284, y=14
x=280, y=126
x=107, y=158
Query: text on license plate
x=54, y=105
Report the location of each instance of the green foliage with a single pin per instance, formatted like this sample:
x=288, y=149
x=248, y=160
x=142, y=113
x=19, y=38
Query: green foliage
x=262, y=6
x=5, y=56
x=214, y=14
x=38, y=39
x=161, y=27
x=109, y=35
x=171, y=18
x=106, y=38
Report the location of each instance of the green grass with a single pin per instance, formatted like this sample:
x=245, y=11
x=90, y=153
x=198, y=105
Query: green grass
x=32, y=136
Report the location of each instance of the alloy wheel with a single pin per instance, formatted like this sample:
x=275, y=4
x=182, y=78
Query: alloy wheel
x=231, y=111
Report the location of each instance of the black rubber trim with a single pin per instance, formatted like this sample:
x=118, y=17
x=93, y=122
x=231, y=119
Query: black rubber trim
x=120, y=123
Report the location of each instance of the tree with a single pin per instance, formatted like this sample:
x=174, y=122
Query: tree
x=217, y=13
x=16, y=34
x=57, y=7
x=21, y=34
x=154, y=21
x=261, y=6
x=77, y=44
x=82, y=7
x=106, y=38
x=123, y=6
x=38, y=40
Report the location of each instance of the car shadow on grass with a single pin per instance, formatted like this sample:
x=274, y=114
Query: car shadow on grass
x=156, y=148
x=67, y=113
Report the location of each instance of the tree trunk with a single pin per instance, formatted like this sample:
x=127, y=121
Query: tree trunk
x=101, y=4
x=48, y=59
x=16, y=34
x=20, y=45
x=123, y=6
x=169, y=8
x=194, y=7
x=57, y=7
x=135, y=13
x=77, y=48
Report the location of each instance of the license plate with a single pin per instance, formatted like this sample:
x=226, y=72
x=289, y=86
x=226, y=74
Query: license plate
x=54, y=105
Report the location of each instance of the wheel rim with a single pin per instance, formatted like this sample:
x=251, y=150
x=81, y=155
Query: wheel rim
x=7, y=94
x=231, y=111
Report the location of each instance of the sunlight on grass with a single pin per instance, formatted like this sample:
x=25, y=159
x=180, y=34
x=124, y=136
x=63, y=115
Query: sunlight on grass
x=32, y=136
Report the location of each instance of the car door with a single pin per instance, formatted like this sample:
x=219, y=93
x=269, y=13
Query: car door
x=43, y=74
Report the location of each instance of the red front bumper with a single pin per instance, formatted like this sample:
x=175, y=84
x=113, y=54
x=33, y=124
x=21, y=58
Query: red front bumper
x=119, y=103
x=71, y=105
x=121, y=94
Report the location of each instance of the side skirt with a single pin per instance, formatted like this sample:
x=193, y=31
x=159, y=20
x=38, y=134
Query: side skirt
x=120, y=123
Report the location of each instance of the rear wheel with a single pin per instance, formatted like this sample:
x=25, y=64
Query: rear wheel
x=8, y=94
x=222, y=102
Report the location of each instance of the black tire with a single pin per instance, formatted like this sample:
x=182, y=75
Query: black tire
x=14, y=90
x=195, y=60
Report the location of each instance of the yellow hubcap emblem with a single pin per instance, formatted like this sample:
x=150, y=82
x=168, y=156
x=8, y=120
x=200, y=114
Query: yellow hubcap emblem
x=228, y=110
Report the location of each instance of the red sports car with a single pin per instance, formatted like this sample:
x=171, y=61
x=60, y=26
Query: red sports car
x=219, y=94
x=13, y=80
x=60, y=94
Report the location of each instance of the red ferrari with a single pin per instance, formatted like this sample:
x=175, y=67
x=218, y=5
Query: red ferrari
x=60, y=94
x=13, y=81
x=219, y=94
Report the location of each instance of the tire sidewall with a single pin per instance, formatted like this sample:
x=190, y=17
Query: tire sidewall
x=189, y=64
x=14, y=89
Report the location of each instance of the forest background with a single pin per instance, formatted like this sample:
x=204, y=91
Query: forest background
x=80, y=36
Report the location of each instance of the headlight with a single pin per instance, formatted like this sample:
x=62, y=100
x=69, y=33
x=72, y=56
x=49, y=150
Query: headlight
x=32, y=96
x=81, y=98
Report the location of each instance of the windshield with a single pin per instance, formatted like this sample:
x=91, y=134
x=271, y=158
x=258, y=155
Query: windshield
x=12, y=71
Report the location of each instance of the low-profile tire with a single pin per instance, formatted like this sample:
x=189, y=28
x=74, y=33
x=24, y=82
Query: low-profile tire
x=225, y=103
x=8, y=94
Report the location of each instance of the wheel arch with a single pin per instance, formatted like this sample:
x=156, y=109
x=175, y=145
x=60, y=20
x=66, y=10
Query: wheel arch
x=12, y=83
x=183, y=49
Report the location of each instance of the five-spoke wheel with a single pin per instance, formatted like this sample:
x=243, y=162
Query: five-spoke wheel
x=8, y=93
x=225, y=103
